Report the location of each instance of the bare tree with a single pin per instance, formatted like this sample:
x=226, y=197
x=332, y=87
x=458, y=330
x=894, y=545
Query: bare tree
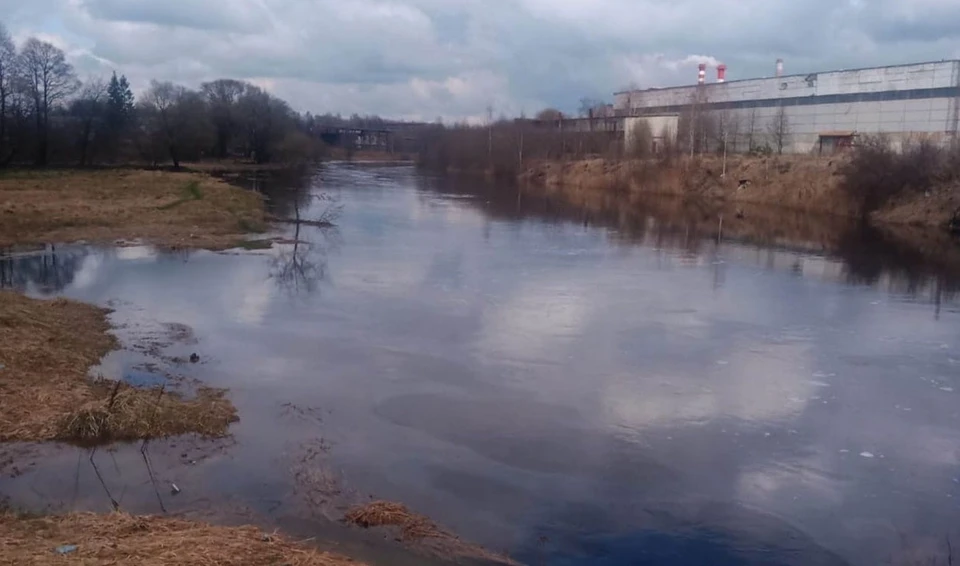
x=549, y=114
x=8, y=63
x=264, y=118
x=176, y=121
x=639, y=139
x=590, y=107
x=50, y=79
x=732, y=127
x=779, y=129
x=223, y=96
x=696, y=124
x=90, y=108
x=752, y=129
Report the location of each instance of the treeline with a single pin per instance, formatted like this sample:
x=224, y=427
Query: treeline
x=502, y=148
x=48, y=116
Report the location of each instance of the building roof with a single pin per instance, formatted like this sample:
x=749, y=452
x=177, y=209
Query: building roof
x=794, y=75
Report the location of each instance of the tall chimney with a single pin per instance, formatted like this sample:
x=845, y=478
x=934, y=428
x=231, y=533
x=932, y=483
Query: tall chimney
x=779, y=67
x=702, y=75
x=721, y=73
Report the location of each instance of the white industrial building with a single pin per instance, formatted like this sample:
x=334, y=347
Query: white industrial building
x=820, y=111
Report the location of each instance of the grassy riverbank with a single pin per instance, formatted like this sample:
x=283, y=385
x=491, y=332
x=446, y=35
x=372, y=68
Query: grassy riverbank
x=46, y=393
x=45, y=390
x=169, y=209
x=811, y=184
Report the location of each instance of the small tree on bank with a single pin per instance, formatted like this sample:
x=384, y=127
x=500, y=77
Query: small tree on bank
x=779, y=129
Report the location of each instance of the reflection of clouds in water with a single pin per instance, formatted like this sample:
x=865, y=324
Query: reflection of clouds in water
x=388, y=278
x=934, y=446
x=134, y=253
x=204, y=291
x=534, y=321
x=89, y=272
x=777, y=482
x=750, y=387
x=247, y=297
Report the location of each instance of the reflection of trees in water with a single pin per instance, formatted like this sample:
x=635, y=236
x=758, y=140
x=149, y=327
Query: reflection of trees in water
x=869, y=256
x=300, y=266
x=284, y=190
x=51, y=270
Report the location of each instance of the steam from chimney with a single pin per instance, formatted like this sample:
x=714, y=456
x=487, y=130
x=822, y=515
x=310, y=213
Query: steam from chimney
x=779, y=67
x=721, y=73
x=702, y=75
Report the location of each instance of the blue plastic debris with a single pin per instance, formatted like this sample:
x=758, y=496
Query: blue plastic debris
x=66, y=549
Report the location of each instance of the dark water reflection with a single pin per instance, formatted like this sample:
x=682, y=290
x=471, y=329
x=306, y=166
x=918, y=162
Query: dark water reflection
x=576, y=385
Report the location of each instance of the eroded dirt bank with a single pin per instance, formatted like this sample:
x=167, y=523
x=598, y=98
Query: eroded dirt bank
x=804, y=183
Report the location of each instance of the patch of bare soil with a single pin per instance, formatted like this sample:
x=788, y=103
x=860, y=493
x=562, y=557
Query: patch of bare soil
x=124, y=539
x=169, y=209
x=46, y=394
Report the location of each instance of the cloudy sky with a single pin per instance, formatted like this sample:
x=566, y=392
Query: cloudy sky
x=420, y=59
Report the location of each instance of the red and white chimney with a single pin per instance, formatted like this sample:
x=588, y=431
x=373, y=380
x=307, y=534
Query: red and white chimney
x=721, y=73
x=779, y=67
x=702, y=75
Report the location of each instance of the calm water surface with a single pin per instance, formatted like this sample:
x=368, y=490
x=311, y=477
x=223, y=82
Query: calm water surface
x=543, y=385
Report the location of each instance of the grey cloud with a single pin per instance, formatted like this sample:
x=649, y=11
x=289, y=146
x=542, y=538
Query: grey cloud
x=427, y=57
x=232, y=16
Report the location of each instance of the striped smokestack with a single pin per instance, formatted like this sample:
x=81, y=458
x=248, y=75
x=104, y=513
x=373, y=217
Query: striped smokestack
x=721, y=73
x=702, y=75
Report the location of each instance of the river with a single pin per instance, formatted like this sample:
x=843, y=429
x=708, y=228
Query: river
x=542, y=381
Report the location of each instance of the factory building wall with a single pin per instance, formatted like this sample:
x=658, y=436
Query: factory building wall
x=904, y=102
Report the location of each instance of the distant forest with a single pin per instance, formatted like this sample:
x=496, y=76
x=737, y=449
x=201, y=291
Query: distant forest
x=48, y=116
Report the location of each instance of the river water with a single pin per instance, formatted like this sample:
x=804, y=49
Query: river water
x=542, y=381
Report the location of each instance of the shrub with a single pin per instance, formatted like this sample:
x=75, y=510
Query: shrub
x=877, y=173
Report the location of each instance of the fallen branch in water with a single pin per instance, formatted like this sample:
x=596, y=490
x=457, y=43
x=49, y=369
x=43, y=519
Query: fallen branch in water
x=300, y=221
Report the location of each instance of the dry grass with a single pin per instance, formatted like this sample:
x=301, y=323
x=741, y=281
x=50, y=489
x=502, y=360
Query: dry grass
x=45, y=392
x=165, y=208
x=133, y=414
x=389, y=514
x=125, y=539
x=419, y=532
x=799, y=182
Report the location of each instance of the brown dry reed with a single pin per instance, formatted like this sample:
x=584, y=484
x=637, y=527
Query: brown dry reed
x=149, y=541
x=390, y=514
x=46, y=349
x=420, y=532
